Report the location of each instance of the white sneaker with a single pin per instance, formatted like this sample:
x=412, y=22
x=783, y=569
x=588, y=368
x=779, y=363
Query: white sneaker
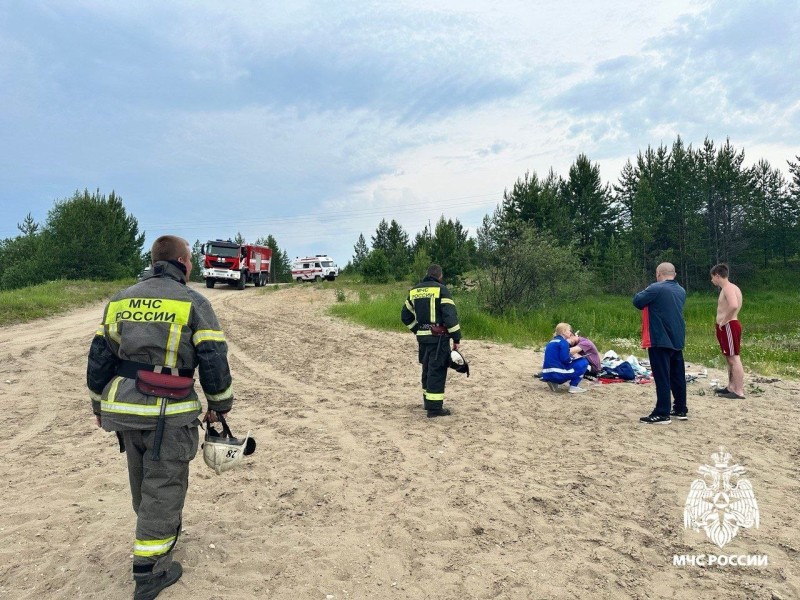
x=573, y=389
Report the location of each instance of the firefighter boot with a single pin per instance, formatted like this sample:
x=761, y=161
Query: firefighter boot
x=147, y=588
x=438, y=412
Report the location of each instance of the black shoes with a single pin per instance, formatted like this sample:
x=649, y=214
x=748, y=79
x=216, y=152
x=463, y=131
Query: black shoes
x=147, y=588
x=681, y=415
x=731, y=395
x=440, y=412
x=656, y=420
x=724, y=390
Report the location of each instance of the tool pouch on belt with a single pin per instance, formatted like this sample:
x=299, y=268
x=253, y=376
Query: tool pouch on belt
x=163, y=385
x=438, y=330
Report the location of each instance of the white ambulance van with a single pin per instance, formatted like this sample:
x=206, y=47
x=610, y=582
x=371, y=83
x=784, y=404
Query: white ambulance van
x=314, y=268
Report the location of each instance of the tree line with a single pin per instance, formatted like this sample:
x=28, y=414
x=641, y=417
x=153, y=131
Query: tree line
x=91, y=236
x=557, y=236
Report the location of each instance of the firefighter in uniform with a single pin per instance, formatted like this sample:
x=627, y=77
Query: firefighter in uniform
x=430, y=313
x=156, y=333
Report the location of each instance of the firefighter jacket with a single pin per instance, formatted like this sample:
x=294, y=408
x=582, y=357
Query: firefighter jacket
x=429, y=312
x=158, y=322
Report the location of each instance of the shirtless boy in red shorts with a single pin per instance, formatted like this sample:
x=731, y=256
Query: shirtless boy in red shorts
x=729, y=330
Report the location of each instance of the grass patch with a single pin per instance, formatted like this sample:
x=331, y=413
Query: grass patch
x=771, y=321
x=46, y=299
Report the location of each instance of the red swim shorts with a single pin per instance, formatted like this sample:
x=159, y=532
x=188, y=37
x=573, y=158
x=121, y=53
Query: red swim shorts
x=730, y=337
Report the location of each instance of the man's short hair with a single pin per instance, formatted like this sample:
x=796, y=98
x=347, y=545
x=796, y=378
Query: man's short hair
x=721, y=269
x=666, y=268
x=435, y=271
x=169, y=247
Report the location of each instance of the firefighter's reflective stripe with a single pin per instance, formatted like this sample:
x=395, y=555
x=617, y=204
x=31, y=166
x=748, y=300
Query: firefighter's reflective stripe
x=453, y=328
x=95, y=396
x=434, y=397
x=448, y=301
x=424, y=332
x=100, y=331
x=153, y=547
x=223, y=395
x=171, y=355
x=148, y=310
x=113, y=333
x=432, y=293
x=112, y=391
x=150, y=410
x=207, y=335
x=410, y=307
x=412, y=324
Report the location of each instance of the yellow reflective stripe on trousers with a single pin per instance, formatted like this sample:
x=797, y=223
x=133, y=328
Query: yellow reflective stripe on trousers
x=434, y=397
x=171, y=355
x=153, y=547
x=453, y=329
x=207, y=335
x=150, y=410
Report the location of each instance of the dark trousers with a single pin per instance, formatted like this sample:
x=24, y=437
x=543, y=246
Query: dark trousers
x=435, y=359
x=669, y=374
x=158, y=491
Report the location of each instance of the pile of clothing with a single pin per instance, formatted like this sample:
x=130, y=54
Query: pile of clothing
x=616, y=370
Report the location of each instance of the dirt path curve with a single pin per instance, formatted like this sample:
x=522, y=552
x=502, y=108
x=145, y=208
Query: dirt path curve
x=354, y=493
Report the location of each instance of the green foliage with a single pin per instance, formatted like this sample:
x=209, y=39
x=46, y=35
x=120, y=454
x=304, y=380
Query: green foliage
x=528, y=268
x=46, y=299
x=692, y=207
x=419, y=267
x=360, y=253
x=91, y=236
x=280, y=268
x=375, y=268
x=451, y=248
x=86, y=236
x=20, y=262
x=197, y=261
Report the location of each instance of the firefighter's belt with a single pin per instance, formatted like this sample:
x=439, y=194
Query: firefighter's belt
x=129, y=369
x=173, y=387
x=434, y=329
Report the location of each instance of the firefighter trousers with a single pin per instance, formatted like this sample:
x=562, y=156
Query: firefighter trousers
x=158, y=491
x=435, y=360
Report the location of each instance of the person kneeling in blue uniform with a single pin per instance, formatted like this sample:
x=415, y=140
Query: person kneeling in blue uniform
x=558, y=365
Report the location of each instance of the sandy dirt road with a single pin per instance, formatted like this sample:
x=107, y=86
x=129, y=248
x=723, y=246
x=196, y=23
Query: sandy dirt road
x=354, y=493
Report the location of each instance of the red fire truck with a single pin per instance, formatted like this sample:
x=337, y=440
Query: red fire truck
x=235, y=264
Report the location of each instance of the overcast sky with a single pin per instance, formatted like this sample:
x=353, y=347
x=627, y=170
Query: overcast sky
x=314, y=120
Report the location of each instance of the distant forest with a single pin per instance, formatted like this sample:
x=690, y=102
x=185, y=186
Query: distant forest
x=551, y=237
x=563, y=235
x=90, y=235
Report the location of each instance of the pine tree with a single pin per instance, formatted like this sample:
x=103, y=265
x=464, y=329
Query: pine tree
x=360, y=252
